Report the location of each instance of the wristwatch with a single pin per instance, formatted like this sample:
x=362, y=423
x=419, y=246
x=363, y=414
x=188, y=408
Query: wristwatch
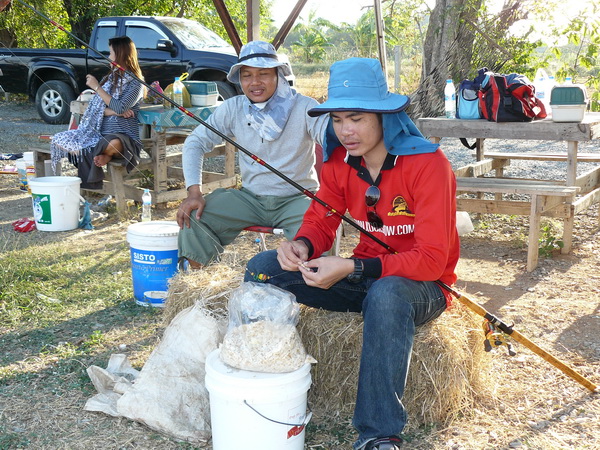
x=357, y=275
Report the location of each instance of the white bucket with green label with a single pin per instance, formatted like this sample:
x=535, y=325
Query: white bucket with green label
x=55, y=202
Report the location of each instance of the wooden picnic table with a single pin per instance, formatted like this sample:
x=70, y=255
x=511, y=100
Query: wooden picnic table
x=553, y=198
x=160, y=128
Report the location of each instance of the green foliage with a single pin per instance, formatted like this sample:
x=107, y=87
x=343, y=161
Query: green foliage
x=579, y=57
x=9, y=439
x=311, y=41
x=41, y=284
x=548, y=242
x=77, y=17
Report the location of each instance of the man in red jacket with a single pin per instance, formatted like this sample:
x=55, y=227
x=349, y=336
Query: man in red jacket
x=401, y=188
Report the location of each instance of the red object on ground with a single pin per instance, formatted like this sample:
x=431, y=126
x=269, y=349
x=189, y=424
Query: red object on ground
x=24, y=225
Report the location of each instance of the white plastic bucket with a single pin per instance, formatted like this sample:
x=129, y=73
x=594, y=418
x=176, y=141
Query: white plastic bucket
x=254, y=410
x=55, y=202
x=153, y=260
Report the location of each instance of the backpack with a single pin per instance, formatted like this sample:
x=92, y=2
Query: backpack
x=509, y=98
x=467, y=98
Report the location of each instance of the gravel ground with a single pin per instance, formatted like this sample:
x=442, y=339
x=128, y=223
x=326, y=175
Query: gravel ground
x=20, y=126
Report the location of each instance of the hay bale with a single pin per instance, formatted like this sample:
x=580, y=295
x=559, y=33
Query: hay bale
x=211, y=286
x=446, y=379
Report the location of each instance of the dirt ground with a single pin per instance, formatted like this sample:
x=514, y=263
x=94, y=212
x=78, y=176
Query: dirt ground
x=534, y=406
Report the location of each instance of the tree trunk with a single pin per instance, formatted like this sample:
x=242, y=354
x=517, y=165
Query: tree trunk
x=447, y=53
x=80, y=19
x=8, y=39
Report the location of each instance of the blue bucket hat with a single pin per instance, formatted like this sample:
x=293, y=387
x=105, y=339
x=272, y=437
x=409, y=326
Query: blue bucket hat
x=257, y=54
x=358, y=84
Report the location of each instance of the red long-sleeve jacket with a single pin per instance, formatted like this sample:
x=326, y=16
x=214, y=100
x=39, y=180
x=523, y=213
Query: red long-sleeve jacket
x=417, y=205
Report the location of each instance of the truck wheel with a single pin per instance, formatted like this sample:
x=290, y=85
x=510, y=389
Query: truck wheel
x=225, y=90
x=53, y=101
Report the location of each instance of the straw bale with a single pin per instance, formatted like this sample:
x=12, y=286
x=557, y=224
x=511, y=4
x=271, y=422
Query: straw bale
x=446, y=379
x=447, y=375
x=210, y=286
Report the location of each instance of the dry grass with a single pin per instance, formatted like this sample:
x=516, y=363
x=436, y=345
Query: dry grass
x=314, y=86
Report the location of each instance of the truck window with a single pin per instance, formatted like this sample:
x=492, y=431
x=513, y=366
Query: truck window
x=144, y=38
x=103, y=34
x=193, y=35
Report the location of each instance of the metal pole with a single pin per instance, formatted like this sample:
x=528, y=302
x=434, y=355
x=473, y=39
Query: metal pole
x=397, y=64
x=380, y=36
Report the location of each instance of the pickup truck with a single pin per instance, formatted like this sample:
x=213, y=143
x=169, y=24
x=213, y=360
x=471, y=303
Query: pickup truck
x=167, y=47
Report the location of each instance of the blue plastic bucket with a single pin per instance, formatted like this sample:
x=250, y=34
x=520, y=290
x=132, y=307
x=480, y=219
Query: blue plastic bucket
x=153, y=260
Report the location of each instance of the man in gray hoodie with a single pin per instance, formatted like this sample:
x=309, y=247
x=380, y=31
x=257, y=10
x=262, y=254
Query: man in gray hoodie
x=271, y=121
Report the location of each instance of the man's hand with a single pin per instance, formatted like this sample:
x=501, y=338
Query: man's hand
x=128, y=114
x=194, y=201
x=292, y=254
x=324, y=272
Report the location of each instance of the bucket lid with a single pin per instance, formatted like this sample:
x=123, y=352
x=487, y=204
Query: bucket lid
x=45, y=181
x=218, y=369
x=163, y=228
x=568, y=95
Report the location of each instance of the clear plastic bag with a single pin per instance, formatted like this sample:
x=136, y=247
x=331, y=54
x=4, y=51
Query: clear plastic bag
x=262, y=334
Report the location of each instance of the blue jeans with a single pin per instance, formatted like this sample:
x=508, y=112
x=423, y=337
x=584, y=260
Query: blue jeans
x=391, y=307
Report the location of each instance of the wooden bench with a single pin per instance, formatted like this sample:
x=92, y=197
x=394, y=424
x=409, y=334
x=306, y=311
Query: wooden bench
x=116, y=175
x=545, y=199
x=583, y=157
x=588, y=183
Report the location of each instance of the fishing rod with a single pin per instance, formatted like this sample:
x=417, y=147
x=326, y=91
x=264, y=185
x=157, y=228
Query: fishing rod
x=309, y=194
x=493, y=337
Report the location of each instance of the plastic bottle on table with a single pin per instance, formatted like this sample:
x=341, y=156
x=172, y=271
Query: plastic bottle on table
x=542, y=87
x=450, y=99
x=550, y=86
x=178, y=91
x=146, y=206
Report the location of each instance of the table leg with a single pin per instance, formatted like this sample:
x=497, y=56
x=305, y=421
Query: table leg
x=568, y=225
x=116, y=177
x=479, y=149
x=229, y=160
x=534, y=231
x=159, y=162
x=571, y=162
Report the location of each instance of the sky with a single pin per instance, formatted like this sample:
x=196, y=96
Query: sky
x=336, y=11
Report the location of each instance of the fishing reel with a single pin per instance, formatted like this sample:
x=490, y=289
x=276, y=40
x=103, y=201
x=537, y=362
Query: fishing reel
x=494, y=338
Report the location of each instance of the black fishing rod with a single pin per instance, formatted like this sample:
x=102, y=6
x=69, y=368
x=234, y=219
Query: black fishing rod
x=5, y=3
x=475, y=307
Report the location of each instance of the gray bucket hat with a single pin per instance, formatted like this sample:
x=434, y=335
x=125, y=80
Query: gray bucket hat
x=257, y=54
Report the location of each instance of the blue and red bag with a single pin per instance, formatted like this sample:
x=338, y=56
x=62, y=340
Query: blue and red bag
x=509, y=98
x=467, y=98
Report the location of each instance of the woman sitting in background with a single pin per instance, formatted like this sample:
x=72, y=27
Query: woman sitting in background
x=109, y=127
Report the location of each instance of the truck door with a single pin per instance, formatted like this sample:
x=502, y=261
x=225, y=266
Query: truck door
x=157, y=64
x=96, y=64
